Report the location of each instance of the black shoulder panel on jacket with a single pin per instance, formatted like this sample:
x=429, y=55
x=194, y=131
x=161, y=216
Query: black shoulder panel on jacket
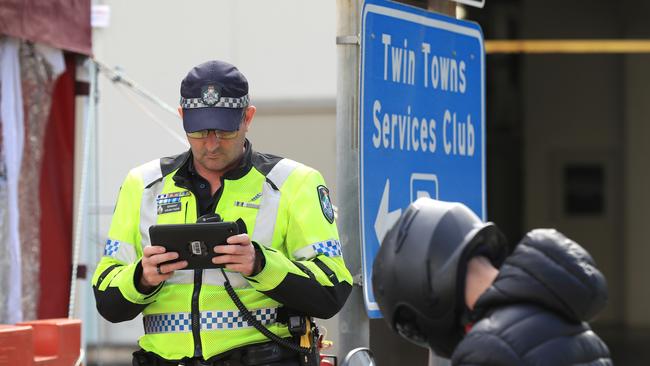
x=114, y=307
x=110, y=302
x=310, y=297
x=264, y=162
x=169, y=164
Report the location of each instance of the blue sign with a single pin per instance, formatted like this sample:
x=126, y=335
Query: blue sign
x=421, y=116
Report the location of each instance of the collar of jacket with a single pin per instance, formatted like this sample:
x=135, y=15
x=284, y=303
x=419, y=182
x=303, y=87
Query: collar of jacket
x=184, y=172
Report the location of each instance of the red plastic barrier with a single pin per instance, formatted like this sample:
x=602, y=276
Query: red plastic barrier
x=16, y=346
x=56, y=341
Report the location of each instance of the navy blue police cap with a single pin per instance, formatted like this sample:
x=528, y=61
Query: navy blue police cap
x=214, y=95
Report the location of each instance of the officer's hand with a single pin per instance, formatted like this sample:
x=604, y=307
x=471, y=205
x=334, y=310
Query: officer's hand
x=238, y=255
x=153, y=273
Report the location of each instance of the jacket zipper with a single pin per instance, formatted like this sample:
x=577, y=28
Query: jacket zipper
x=198, y=281
x=196, y=291
x=196, y=314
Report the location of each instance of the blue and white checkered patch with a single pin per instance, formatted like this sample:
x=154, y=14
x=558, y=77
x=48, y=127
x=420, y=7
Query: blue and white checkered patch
x=210, y=320
x=171, y=197
x=111, y=247
x=167, y=323
x=330, y=248
x=162, y=201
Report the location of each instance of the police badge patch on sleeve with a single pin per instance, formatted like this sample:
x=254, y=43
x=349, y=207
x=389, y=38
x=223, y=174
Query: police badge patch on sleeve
x=326, y=203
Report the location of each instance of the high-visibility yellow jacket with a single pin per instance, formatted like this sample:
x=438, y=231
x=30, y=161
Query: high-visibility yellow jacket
x=287, y=211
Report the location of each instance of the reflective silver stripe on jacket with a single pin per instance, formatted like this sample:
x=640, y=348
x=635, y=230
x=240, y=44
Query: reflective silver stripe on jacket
x=329, y=248
x=150, y=172
x=270, y=201
x=124, y=252
x=212, y=277
x=210, y=320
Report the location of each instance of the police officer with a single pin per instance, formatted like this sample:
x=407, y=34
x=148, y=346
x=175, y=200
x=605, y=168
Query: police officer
x=285, y=268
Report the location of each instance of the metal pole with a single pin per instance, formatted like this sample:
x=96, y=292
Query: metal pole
x=353, y=322
x=79, y=225
x=117, y=76
x=443, y=6
x=354, y=326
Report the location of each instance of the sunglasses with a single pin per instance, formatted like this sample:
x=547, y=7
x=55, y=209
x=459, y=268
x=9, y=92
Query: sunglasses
x=220, y=134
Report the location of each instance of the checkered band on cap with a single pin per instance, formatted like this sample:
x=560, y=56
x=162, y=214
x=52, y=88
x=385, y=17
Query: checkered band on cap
x=330, y=248
x=224, y=102
x=210, y=320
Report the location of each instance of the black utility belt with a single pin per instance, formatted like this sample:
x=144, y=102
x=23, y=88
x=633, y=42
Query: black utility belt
x=251, y=355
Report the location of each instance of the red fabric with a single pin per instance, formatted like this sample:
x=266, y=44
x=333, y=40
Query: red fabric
x=57, y=178
x=61, y=24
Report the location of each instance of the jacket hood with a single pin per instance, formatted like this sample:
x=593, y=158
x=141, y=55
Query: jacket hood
x=552, y=271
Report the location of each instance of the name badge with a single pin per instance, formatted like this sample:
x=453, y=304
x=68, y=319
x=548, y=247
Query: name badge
x=169, y=207
x=170, y=202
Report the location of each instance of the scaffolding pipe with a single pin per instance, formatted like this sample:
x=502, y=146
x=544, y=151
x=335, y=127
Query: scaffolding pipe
x=91, y=116
x=117, y=76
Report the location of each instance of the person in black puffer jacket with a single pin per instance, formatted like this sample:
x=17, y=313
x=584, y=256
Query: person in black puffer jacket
x=472, y=297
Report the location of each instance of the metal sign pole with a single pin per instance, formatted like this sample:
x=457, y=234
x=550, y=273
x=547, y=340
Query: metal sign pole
x=446, y=7
x=353, y=321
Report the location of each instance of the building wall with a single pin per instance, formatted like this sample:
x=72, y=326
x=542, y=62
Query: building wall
x=591, y=109
x=573, y=118
x=637, y=170
x=565, y=132
x=636, y=250
x=285, y=48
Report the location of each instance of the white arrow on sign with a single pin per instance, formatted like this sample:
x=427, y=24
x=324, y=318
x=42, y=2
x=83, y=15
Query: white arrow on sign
x=385, y=220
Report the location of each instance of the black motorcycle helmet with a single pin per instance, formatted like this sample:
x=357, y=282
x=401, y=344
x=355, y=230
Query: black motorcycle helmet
x=419, y=272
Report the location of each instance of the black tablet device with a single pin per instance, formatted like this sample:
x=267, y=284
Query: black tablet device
x=194, y=243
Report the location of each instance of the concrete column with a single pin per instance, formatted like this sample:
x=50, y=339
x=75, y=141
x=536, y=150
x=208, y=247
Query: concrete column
x=353, y=321
x=637, y=191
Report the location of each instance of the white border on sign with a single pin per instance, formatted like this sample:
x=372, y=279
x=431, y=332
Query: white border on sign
x=433, y=23
x=474, y=3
